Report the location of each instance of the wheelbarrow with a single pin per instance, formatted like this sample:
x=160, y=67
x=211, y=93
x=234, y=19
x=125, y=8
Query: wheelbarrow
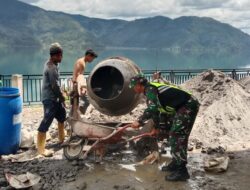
x=87, y=137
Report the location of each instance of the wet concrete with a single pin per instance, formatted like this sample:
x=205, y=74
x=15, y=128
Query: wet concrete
x=113, y=176
x=117, y=171
x=58, y=173
x=110, y=175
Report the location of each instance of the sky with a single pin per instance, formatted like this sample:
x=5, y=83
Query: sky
x=233, y=12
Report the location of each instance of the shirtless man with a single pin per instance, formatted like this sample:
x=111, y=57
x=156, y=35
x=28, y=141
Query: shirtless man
x=158, y=78
x=79, y=69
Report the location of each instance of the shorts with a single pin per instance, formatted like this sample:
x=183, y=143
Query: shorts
x=52, y=109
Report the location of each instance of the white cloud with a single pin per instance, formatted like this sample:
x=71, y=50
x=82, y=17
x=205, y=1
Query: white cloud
x=202, y=4
x=234, y=12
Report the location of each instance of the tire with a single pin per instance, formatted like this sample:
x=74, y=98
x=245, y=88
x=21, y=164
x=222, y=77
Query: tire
x=73, y=152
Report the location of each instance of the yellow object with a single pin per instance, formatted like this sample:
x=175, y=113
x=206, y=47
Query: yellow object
x=167, y=109
x=61, y=133
x=41, y=141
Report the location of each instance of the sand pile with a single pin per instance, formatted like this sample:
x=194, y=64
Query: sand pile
x=95, y=116
x=246, y=82
x=224, y=116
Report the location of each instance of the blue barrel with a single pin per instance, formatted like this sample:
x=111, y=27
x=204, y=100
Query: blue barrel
x=10, y=120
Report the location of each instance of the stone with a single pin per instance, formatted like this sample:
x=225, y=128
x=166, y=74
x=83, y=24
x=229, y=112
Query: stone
x=69, y=175
x=70, y=179
x=3, y=182
x=74, y=163
x=46, y=186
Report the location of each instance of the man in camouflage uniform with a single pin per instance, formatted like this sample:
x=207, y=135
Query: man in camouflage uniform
x=169, y=99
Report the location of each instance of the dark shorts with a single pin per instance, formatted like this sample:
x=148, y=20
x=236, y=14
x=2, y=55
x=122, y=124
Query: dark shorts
x=52, y=110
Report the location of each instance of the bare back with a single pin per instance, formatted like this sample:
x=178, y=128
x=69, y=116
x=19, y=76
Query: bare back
x=79, y=68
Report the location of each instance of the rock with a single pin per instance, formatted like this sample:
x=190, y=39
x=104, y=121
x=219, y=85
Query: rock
x=82, y=186
x=46, y=186
x=70, y=179
x=198, y=145
x=231, y=155
x=22, y=181
x=122, y=187
x=56, y=175
x=54, y=182
x=74, y=163
x=7, y=171
x=43, y=173
x=3, y=182
x=70, y=174
x=7, y=188
x=216, y=164
x=190, y=148
x=150, y=159
x=214, y=150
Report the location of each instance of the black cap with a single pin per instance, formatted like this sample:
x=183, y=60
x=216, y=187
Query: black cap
x=91, y=52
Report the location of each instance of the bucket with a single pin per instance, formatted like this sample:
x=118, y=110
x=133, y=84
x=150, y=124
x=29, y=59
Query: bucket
x=10, y=120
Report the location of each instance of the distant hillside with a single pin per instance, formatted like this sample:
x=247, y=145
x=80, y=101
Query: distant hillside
x=25, y=25
x=163, y=32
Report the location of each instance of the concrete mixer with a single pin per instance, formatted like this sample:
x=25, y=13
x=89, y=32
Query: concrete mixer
x=108, y=86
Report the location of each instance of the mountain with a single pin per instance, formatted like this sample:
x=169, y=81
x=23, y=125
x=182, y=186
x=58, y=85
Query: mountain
x=162, y=32
x=25, y=25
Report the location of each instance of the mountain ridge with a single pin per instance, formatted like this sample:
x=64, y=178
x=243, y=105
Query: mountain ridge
x=26, y=25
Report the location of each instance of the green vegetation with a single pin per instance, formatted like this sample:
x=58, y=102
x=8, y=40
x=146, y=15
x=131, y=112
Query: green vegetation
x=25, y=25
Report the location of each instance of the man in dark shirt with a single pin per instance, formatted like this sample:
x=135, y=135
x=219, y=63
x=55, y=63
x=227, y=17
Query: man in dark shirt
x=182, y=106
x=52, y=99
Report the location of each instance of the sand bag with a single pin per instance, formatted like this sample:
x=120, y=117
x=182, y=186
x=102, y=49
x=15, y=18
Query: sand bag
x=22, y=181
x=216, y=164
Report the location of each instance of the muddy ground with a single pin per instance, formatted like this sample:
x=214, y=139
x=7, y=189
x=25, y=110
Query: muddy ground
x=117, y=172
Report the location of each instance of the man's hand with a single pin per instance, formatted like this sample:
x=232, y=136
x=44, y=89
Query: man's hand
x=83, y=91
x=64, y=104
x=135, y=125
x=154, y=132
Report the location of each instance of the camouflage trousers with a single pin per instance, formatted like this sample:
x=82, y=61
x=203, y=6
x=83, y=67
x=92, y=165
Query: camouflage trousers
x=180, y=130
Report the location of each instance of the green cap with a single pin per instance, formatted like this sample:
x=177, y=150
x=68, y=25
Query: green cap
x=138, y=79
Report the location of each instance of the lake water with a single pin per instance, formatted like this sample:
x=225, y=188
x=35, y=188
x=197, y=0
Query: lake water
x=31, y=61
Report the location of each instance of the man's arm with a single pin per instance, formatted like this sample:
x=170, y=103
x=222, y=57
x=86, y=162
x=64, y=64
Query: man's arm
x=163, y=80
x=54, y=82
x=151, y=112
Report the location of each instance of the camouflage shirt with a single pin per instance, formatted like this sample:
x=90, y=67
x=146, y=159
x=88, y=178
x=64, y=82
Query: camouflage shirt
x=153, y=104
x=162, y=99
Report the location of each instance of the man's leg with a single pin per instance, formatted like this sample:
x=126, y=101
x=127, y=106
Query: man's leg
x=178, y=138
x=83, y=104
x=61, y=117
x=49, y=114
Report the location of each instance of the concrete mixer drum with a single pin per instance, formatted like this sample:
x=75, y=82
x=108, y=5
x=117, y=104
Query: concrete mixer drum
x=108, y=86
